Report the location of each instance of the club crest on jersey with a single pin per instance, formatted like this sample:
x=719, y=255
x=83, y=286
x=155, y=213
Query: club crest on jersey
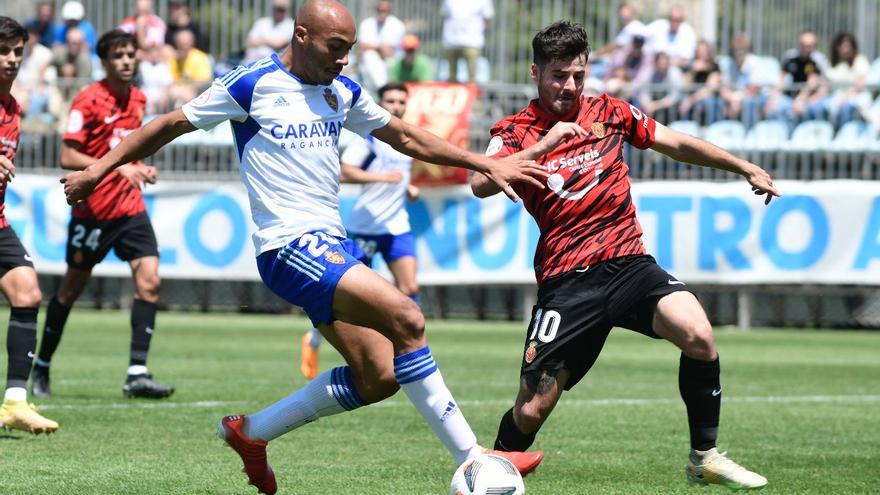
x=330, y=98
x=334, y=257
x=531, y=352
x=598, y=129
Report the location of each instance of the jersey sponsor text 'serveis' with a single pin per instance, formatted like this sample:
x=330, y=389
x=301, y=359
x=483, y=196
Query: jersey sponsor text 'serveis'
x=99, y=120
x=381, y=207
x=585, y=213
x=10, y=131
x=286, y=133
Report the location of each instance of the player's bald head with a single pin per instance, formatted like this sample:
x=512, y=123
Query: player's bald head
x=321, y=16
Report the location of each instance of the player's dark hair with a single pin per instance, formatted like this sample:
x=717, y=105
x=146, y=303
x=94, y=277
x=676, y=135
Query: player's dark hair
x=562, y=40
x=392, y=86
x=114, y=39
x=11, y=30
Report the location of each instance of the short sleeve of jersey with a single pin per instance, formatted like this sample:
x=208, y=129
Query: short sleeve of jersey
x=638, y=128
x=365, y=115
x=503, y=142
x=78, y=119
x=213, y=107
x=356, y=153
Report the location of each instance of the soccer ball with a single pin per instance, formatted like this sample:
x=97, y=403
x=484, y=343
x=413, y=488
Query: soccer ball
x=487, y=474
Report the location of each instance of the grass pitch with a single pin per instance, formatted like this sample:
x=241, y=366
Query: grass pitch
x=801, y=407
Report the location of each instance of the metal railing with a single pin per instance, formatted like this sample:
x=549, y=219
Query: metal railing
x=772, y=25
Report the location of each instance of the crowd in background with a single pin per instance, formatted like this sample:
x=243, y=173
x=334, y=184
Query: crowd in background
x=661, y=66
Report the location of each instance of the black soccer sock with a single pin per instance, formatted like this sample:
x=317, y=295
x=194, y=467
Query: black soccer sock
x=700, y=386
x=56, y=318
x=143, y=320
x=509, y=438
x=21, y=342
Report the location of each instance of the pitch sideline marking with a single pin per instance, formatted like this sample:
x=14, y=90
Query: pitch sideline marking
x=208, y=404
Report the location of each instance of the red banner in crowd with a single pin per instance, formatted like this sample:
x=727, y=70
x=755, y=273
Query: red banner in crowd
x=443, y=109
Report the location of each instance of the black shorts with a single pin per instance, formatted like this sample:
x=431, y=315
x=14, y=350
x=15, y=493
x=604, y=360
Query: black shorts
x=577, y=310
x=12, y=253
x=89, y=240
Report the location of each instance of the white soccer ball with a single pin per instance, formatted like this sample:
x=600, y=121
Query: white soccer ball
x=487, y=474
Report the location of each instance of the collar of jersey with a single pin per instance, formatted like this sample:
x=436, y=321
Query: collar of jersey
x=291, y=74
x=569, y=117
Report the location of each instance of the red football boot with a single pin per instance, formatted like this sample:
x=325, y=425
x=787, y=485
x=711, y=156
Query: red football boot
x=525, y=462
x=252, y=453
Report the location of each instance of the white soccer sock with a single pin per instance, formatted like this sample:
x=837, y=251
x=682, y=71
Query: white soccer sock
x=137, y=369
x=330, y=393
x=17, y=394
x=420, y=379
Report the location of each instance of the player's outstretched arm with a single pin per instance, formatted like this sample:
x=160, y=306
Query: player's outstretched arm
x=138, y=145
x=421, y=144
x=350, y=174
x=688, y=149
x=482, y=187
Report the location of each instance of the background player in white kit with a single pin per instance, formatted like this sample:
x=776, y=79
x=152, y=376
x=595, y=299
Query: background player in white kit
x=378, y=223
x=286, y=113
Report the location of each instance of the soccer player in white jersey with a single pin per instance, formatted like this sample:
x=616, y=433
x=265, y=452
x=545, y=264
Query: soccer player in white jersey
x=378, y=222
x=286, y=113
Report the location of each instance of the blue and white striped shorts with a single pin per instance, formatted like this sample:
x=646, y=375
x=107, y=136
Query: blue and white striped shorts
x=306, y=271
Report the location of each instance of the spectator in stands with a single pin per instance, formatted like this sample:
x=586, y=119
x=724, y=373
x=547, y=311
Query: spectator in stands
x=465, y=23
x=73, y=14
x=34, y=84
x=412, y=66
x=635, y=61
x=741, y=88
x=269, y=34
x=847, y=76
x=703, y=80
x=44, y=24
x=659, y=94
x=73, y=62
x=147, y=28
x=180, y=18
x=190, y=68
x=156, y=79
x=673, y=36
x=630, y=26
x=619, y=84
x=802, y=88
x=380, y=38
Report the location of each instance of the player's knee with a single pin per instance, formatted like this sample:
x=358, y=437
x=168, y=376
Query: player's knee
x=409, y=323
x=148, y=286
x=28, y=298
x=701, y=341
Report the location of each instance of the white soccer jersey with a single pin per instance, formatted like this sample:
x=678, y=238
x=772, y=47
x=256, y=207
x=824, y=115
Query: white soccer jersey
x=286, y=132
x=381, y=208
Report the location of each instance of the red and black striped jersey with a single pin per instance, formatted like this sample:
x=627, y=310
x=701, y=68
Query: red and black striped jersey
x=585, y=214
x=99, y=120
x=10, y=131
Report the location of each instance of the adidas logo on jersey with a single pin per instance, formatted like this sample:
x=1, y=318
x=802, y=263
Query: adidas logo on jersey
x=281, y=102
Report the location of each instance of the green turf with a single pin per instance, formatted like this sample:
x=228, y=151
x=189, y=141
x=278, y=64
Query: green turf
x=818, y=434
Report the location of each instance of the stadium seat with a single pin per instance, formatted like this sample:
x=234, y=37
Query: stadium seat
x=812, y=135
x=767, y=135
x=873, y=78
x=483, y=70
x=726, y=133
x=854, y=136
x=686, y=126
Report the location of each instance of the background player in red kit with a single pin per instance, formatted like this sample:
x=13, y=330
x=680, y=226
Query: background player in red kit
x=115, y=216
x=18, y=280
x=592, y=269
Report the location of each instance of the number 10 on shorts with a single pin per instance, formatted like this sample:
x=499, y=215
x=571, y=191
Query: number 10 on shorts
x=545, y=324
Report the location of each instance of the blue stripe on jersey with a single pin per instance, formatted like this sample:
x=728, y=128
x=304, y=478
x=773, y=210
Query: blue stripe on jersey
x=244, y=132
x=371, y=141
x=352, y=86
x=242, y=88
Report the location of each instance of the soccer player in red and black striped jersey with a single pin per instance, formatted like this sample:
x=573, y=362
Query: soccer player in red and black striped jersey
x=18, y=280
x=115, y=216
x=592, y=269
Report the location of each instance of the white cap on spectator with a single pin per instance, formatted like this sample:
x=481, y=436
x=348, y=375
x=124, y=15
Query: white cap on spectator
x=73, y=11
